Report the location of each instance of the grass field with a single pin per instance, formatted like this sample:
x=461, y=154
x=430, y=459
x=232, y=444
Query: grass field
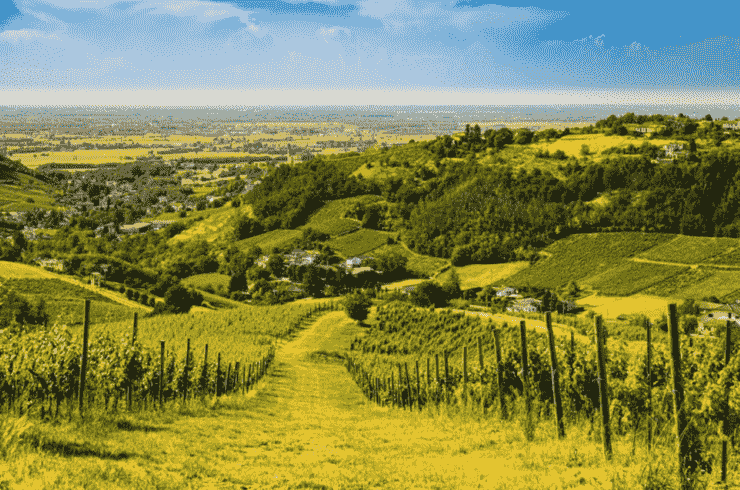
x=64, y=301
x=578, y=257
x=421, y=265
x=359, y=242
x=18, y=197
x=611, y=307
x=690, y=249
x=216, y=224
x=480, y=275
x=329, y=218
x=200, y=281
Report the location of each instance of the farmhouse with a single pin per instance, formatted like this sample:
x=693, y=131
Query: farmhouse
x=136, y=228
x=506, y=292
x=526, y=305
x=52, y=264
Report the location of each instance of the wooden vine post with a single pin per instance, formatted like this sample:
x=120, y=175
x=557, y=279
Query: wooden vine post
x=447, y=376
x=649, y=363
x=465, y=374
x=204, y=374
x=481, y=366
x=418, y=387
x=408, y=386
x=555, y=377
x=128, y=374
x=427, y=378
x=436, y=363
x=237, y=365
x=161, y=373
x=682, y=442
x=402, y=401
x=726, y=429
x=499, y=374
x=187, y=372
x=603, y=386
x=218, y=375
x=525, y=382
x=83, y=361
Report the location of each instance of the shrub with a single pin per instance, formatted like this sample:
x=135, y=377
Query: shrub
x=357, y=306
x=129, y=293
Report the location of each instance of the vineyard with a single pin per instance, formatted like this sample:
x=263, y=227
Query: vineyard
x=433, y=348
x=359, y=242
x=329, y=219
x=141, y=364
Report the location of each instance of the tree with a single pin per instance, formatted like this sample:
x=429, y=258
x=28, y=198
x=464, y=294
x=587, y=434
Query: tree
x=312, y=283
x=451, y=286
x=585, y=150
x=179, y=299
x=245, y=227
x=428, y=293
x=276, y=265
x=357, y=306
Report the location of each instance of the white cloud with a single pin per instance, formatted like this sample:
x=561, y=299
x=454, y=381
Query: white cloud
x=27, y=35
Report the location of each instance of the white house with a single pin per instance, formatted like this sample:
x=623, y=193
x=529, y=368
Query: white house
x=354, y=262
x=506, y=292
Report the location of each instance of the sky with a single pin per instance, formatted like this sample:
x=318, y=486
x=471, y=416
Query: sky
x=363, y=52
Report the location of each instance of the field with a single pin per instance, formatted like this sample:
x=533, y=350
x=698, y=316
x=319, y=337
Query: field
x=201, y=281
x=421, y=265
x=359, y=242
x=698, y=283
x=630, y=277
x=612, y=307
x=329, y=219
x=480, y=275
x=34, y=160
x=265, y=241
x=690, y=249
x=216, y=224
x=18, y=197
x=571, y=144
x=235, y=333
x=64, y=301
x=580, y=257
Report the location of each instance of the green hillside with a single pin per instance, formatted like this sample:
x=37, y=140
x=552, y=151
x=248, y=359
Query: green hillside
x=329, y=219
x=630, y=263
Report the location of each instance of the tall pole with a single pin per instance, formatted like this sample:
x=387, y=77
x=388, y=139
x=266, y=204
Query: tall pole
x=83, y=362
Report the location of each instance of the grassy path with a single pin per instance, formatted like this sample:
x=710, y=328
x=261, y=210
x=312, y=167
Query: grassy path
x=309, y=426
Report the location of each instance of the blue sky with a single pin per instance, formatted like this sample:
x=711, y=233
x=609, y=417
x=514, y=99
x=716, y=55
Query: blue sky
x=365, y=52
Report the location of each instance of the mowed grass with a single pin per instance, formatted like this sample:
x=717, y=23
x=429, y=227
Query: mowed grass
x=329, y=219
x=578, y=257
x=200, y=281
x=309, y=426
x=611, y=307
x=359, y=242
x=690, y=249
x=481, y=275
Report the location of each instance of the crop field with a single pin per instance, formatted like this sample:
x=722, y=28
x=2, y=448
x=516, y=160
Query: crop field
x=265, y=241
x=359, y=242
x=571, y=144
x=201, y=281
x=14, y=270
x=581, y=256
x=630, y=277
x=729, y=257
x=236, y=333
x=690, y=249
x=34, y=160
x=698, y=283
x=481, y=275
x=421, y=265
x=403, y=284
